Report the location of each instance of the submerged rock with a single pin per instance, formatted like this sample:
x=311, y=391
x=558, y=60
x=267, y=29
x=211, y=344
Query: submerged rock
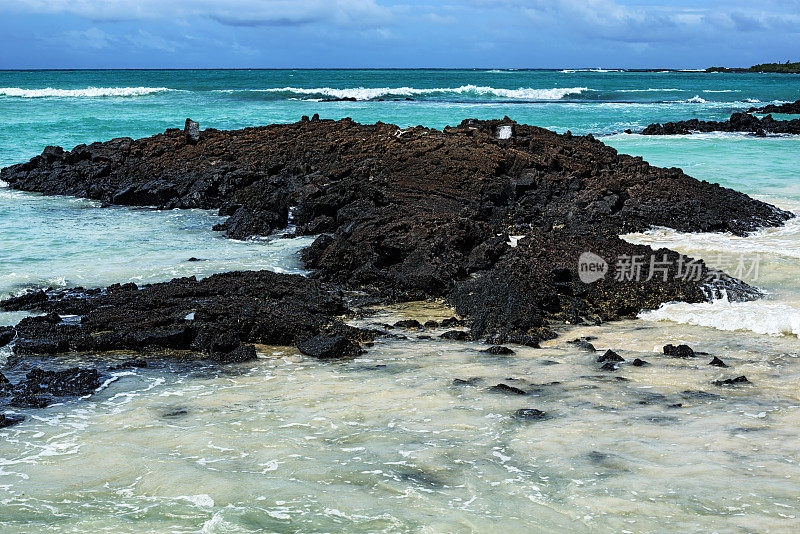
x=505, y=388
x=639, y=363
x=716, y=362
x=530, y=414
x=583, y=344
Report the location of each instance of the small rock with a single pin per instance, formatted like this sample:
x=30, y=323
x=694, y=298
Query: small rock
x=639, y=363
x=610, y=356
x=431, y=324
x=455, y=335
x=194, y=259
x=451, y=322
x=609, y=366
x=7, y=334
x=327, y=347
x=7, y=420
x=408, y=323
x=498, y=350
x=676, y=405
x=530, y=414
x=732, y=381
x=681, y=351
x=716, y=362
x=468, y=382
x=191, y=130
x=505, y=388
x=583, y=344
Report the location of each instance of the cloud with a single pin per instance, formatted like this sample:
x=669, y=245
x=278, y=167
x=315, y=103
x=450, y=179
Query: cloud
x=649, y=22
x=342, y=13
x=145, y=39
x=91, y=38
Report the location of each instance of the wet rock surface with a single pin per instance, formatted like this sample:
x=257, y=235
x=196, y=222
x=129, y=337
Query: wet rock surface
x=679, y=351
x=738, y=122
x=219, y=318
x=791, y=108
x=40, y=387
x=493, y=224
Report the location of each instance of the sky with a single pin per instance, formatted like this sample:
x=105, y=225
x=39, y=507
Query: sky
x=42, y=34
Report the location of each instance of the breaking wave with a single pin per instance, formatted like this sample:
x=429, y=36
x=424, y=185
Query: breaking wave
x=760, y=316
x=371, y=93
x=89, y=92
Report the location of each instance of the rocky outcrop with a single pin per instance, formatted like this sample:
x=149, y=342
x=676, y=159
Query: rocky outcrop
x=739, y=122
x=789, y=108
x=492, y=216
x=217, y=318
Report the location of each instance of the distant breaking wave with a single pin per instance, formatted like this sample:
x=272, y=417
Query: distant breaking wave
x=89, y=92
x=370, y=93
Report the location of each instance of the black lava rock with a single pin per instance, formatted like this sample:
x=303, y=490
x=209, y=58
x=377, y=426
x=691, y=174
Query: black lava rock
x=681, y=351
x=609, y=366
x=7, y=420
x=530, y=414
x=610, y=356
x=505, y=388
x=716, y=362
x=583, y=344
x=328, y=347
x=455, y=335
x=498, y=350
x=639, y=363
x=7, y=335
x=732, y=381
x=408, y=323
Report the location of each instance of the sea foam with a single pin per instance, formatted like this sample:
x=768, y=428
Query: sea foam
x=759, y=316
x=370, y=93
x=89, y=92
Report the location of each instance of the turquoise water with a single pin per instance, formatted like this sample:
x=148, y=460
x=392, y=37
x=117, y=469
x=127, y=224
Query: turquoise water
x=384, y=443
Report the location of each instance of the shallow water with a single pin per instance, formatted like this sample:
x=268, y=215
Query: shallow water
x=387, y=442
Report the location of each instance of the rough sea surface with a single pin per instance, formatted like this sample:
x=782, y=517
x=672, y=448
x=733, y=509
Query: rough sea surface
x=387, y=442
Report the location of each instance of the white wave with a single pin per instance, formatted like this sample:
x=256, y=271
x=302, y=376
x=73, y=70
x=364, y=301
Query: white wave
x=752, y=100
x=783, y=241
x=369, y=93
x=759, y=316
x=722, y=91
x=695, y=100
x=692, y=70
x=570, y=71
x=89, y=92
x=647, y=90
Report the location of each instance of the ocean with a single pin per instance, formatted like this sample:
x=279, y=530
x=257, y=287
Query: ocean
x=382, y=443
